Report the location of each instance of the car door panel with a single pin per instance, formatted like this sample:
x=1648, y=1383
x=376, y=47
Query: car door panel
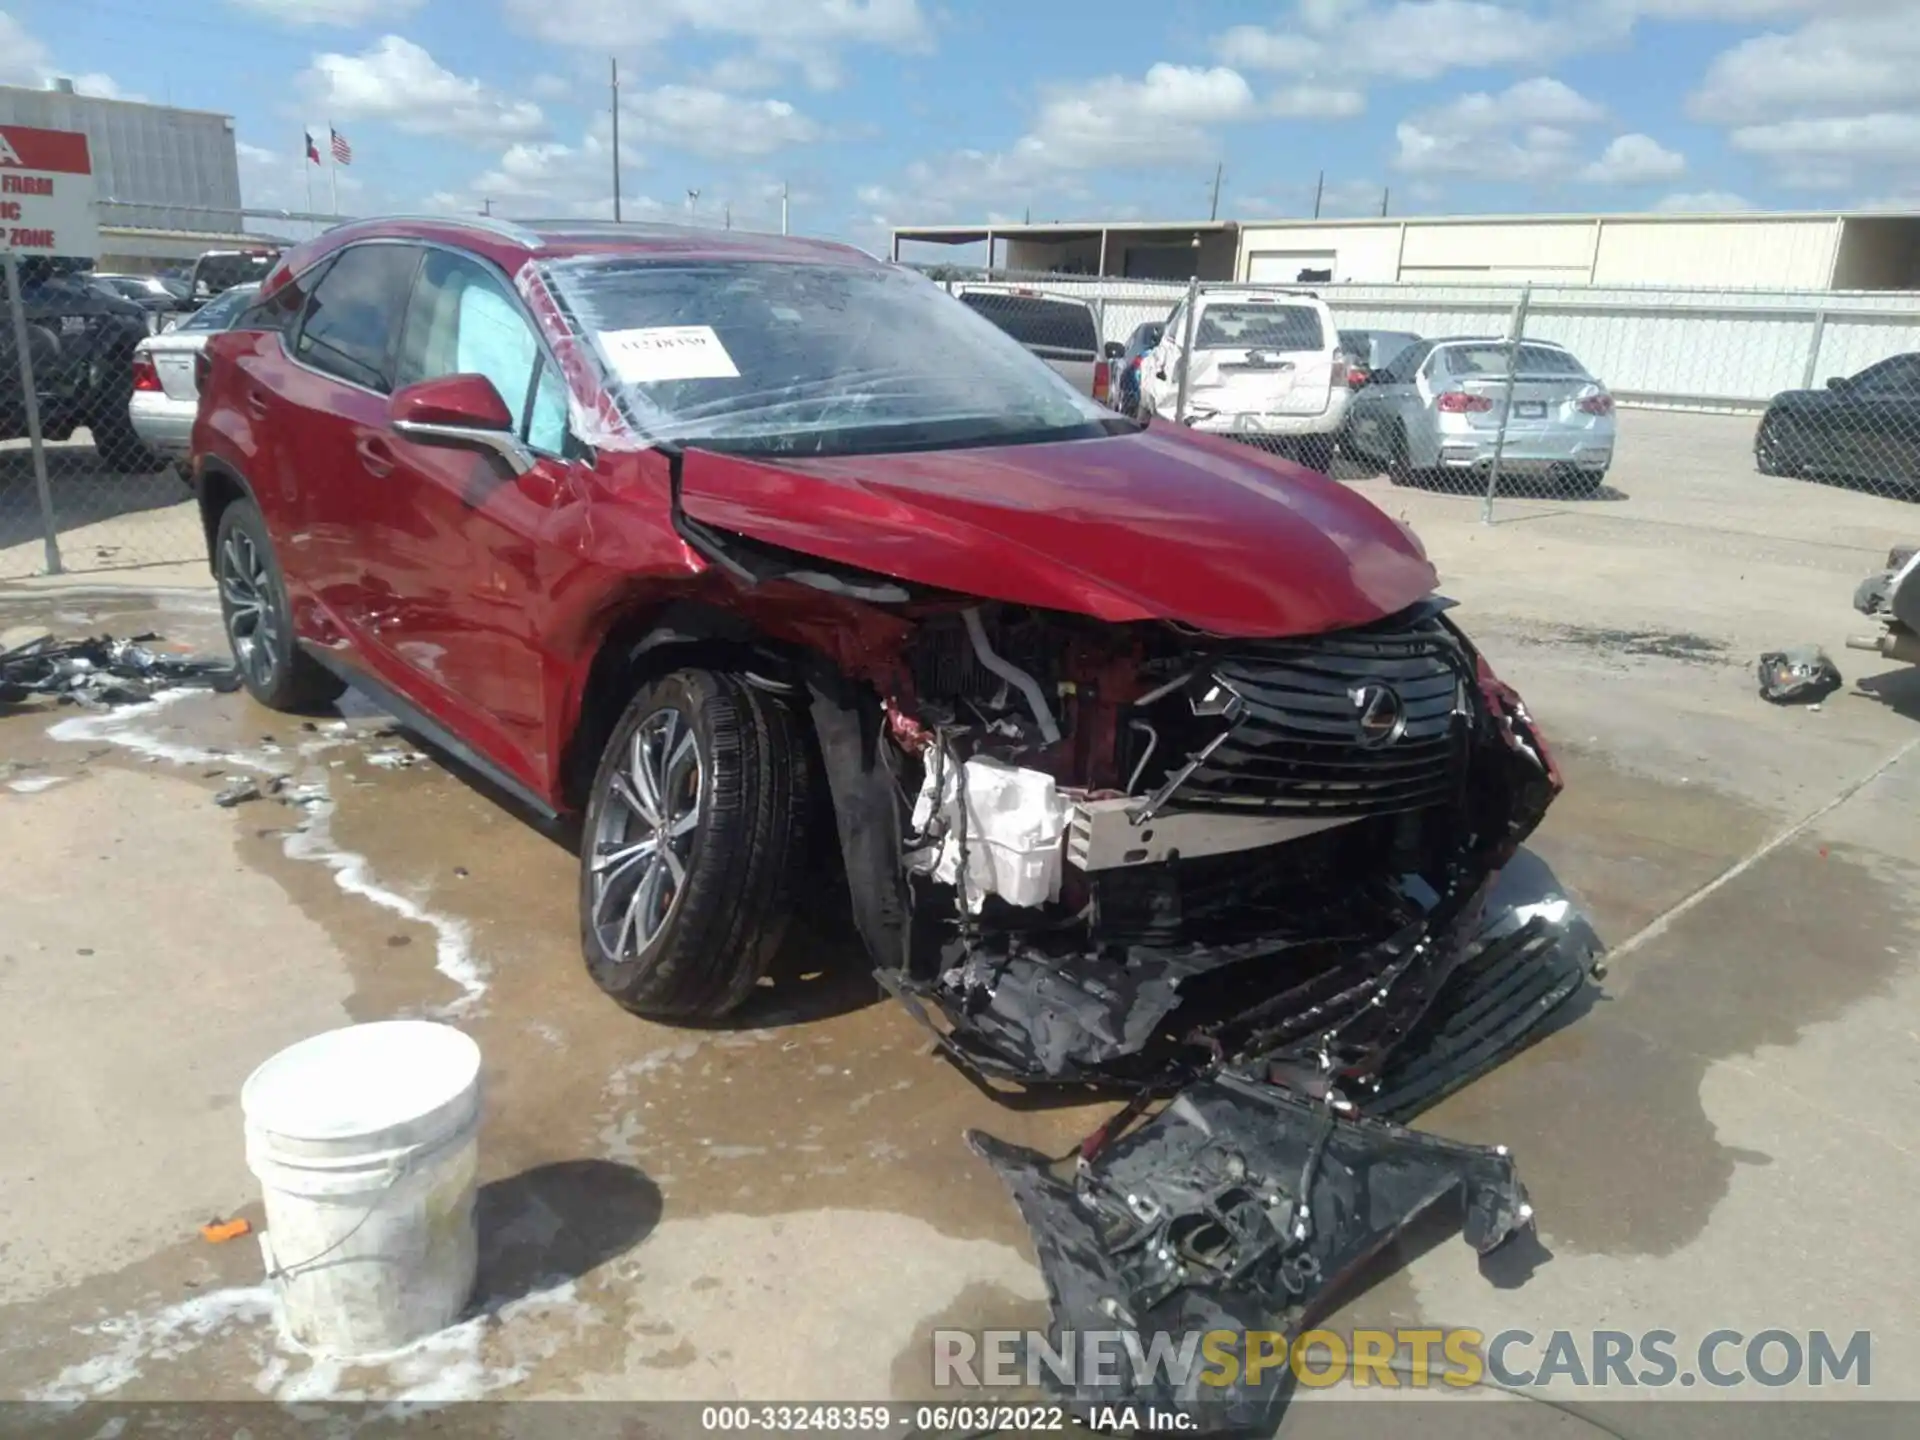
x=460, y=556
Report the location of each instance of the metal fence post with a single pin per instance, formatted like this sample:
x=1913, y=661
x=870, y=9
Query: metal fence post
x=1186, y=350
x=1812, y=367
x=30, y=399
x=1515, y=331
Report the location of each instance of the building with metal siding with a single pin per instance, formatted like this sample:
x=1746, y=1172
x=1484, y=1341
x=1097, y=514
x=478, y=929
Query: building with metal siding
x=156, y=169
x=1792, y=251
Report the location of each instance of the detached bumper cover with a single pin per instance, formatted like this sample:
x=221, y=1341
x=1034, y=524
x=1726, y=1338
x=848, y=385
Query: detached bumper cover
x=1239, y=1207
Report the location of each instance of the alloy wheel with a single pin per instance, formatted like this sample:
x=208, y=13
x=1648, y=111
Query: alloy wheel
x=251, y=602
x=644, y=836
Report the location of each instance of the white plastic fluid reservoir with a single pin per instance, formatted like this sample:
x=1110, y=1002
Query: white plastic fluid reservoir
x=365, y=1141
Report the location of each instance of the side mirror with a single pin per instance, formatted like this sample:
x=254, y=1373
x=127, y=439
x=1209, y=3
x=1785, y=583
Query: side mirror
x=459, y=412
x=1113, y=350
x=1836, y=382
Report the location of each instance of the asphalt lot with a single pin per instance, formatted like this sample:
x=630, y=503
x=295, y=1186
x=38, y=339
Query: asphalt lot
x=785, y=1211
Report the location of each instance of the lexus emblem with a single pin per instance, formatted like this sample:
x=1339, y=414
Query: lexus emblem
x=1378, y=715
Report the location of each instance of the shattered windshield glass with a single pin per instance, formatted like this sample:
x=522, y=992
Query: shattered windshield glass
x=810, y=359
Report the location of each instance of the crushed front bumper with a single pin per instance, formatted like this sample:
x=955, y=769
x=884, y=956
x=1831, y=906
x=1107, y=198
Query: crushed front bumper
x=1249, y=1200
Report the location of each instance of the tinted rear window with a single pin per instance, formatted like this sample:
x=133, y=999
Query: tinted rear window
x=1034, y=322
x=1259, y=327
x=1491, y=359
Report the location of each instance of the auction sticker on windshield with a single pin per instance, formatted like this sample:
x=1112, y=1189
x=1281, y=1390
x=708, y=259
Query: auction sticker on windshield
x=46, y=193
x=668, y=352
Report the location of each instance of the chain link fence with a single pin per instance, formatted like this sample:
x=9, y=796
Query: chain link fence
x=1523, y=390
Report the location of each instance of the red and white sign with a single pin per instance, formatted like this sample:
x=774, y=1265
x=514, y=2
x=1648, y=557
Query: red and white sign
x=46, y=193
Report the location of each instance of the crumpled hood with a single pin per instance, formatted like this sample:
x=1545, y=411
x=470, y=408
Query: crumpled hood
x=1158, y=525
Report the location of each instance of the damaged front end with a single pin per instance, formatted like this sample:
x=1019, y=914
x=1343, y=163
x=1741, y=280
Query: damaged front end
x=1134, y=852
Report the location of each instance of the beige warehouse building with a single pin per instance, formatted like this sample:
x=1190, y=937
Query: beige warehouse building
x=1790, y=251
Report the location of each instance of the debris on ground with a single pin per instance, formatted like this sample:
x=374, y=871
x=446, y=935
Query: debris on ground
x=396, y=759
x=218, y=1232
x=101, y=671
x=1798, y=675
x=239, y=789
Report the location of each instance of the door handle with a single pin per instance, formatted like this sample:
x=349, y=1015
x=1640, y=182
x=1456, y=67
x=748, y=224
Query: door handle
x=257, y=403
x=375, y=455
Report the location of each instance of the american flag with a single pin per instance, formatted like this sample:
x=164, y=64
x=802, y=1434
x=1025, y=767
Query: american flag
x=342, y=152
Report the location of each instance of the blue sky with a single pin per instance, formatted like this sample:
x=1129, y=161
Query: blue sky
x=880, y=112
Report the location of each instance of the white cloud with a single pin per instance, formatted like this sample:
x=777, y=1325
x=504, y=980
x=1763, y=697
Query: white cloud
x=397, y=81
x=1316, y=102
x=713, y=123
x=328, y=12
x=1703, y=202
x=1117, y=121
x=1833, y=104
x=1416, y=39
x=24, y=60
x=803, y=34
x=1634, y=160
x=1526, y=132
x=1843, y=65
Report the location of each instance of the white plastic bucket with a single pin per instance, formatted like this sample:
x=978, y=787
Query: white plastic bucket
x=365, y=1143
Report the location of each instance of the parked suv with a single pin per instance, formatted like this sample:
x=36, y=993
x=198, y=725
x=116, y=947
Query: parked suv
x=1266, y=366
x=81, y=339
x=1061, y=331
x=710, y=537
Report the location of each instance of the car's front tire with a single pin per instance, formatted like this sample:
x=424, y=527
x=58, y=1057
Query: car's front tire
x=259, y=621
x=694, y=834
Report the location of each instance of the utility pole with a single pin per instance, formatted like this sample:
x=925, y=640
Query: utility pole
x=1213, y=210
x=613, y=67
x=693, y=204
x=486, y=207
x=1385, y=191
x=727, y=212
x=1319, y=189
x=783, y=207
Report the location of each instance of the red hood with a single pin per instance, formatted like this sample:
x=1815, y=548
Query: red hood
x=1160, y=525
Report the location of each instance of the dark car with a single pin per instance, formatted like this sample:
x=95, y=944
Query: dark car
x=1062, y=332
x=1863, y=427
x=81, y=340
x=704, y=536
x=1126, y=383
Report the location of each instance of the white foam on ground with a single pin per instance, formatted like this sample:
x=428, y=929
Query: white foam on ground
x=132, y=728
x=452, y=937
x=34, y=784
x=134, y=1341
x=493, y=1351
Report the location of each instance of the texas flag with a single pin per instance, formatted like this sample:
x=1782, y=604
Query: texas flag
x=313, y=150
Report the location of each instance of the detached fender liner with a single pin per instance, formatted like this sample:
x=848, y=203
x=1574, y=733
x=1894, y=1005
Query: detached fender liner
x=1240, y=1206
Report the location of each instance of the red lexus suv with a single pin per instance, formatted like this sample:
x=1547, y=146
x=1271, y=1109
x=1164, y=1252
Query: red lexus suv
x=767, y=560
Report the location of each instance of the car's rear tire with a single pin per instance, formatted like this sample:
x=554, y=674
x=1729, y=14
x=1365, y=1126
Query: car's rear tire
x=1580, y=484
x=1316, y=453
x=259, y=621
x=1400, y=469
x=117, y=443
x=1772, y=448
x=719, y=769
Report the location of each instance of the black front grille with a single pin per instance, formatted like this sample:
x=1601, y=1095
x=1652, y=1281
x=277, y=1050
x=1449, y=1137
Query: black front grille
x=1299, y=747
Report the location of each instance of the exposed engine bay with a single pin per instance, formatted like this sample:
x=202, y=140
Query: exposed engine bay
x=1132, y=852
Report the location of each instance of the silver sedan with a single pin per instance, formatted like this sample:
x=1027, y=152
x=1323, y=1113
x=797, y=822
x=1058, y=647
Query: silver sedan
x=166, y=391
x=1437, y=407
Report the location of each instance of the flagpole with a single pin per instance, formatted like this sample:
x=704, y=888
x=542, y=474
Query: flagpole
x=306, y=166
x=333, y=172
